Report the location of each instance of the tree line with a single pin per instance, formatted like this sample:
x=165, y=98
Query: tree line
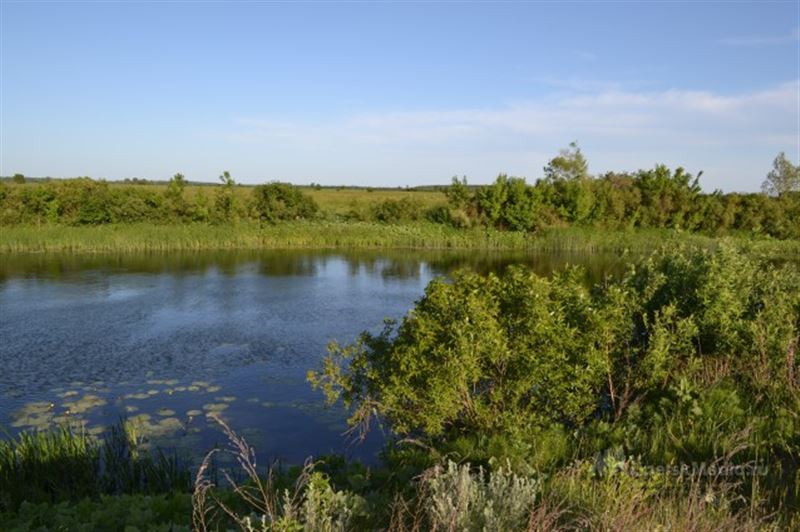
x=85, y=201
x=658, y=197
x=567, y=195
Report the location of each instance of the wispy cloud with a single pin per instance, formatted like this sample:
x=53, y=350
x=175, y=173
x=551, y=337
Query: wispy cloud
x=762, y=40
x=585, y=55
x=624, y=127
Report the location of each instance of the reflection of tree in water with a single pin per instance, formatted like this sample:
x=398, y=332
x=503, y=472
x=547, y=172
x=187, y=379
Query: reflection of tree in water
x=63, y=266
x=388, y=264
x=283, y=263
x=386, y=267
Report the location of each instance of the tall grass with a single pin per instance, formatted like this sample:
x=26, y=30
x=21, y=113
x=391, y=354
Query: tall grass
x=451, y=497
x=150, y=237
x=67, y=464
x=343, y=235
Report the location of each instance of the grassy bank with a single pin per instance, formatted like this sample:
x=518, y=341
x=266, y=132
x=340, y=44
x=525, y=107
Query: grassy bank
x=331, y=494
x=366, y=235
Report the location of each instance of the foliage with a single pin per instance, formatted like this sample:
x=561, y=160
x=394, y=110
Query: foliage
x=259, y=504
x=508, y=204
x=784, y=177
x=394, y=211
x=157, y=513
x=689, y=357
x=454, y=498
x=458, y=193
x=567, y=195
x=174, y=196
x=225, y=201
x=655, y=198
x=67, y=464
x=569, y=165
x=281, y=201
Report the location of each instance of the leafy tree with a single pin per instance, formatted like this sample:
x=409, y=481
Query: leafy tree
x=201, y=210
x=667, y=197
x=458, y=193
x=508, y=203
x=490, y=200
x=174, y=194
x=784, y=177
x=225, y=202
x=570, y=183
x=568, y=165
x=617, y=200
x=18, y=179
x=519, y=210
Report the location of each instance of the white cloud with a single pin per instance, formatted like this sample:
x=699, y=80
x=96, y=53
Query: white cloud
x=762, y=40
x=618, y=129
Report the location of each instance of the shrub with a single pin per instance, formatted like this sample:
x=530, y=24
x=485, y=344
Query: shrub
x=393, y=211
x=282, y=201
x=688, y=356
x=454, y=498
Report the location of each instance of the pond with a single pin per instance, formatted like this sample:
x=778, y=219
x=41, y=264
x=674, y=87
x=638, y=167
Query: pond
x=166, y=340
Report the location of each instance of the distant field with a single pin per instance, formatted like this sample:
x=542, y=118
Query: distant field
x=333, y=200
x=340, y=201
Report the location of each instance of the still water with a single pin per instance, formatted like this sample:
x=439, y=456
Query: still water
x=164, y=340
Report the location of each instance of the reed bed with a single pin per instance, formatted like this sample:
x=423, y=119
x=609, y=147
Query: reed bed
x=344, y=235
x=68, y=464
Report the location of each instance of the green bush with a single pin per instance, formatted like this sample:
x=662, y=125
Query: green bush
x=690, y=356
x=394, y=211
x=282, y=201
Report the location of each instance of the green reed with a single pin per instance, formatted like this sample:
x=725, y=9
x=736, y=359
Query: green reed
x=365, y=235
x=66, y=463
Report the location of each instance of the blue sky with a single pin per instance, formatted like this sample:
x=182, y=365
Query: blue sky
x=397, y=93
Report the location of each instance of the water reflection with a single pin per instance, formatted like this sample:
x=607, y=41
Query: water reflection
x=399, y=264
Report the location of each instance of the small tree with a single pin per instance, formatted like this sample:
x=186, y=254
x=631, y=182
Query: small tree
x=18, y=179
x=568, y=165
x=784, y=177
x=458, y=193
x=224, y=202
x=174, y=194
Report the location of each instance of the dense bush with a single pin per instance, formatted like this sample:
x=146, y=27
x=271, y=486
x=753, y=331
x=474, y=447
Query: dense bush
x=88, y=202
x=688, y=358
x=281, y=201
x=393, y=211
x=657, y=198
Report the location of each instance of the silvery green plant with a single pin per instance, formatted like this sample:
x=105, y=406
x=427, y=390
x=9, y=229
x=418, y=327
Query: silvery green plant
x=459, y=499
